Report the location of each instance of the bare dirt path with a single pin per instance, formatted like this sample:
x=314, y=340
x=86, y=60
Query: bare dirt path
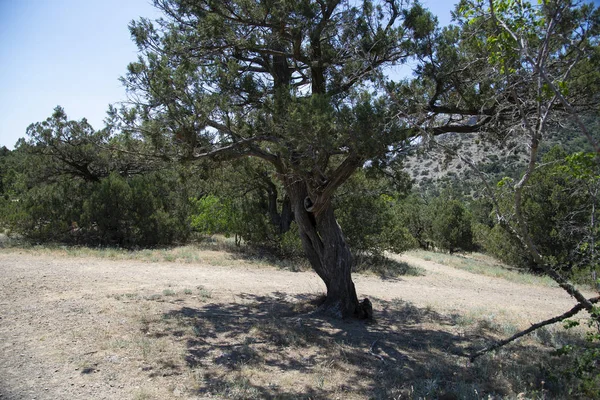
x=70, y=327
x=454, y=290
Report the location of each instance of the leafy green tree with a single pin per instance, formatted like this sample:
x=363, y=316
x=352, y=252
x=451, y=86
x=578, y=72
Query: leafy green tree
x=366, y=210
x=559, y=208
x=299, y=85
x=257, y=209
x=292, y=83
x=520, y=68
x=526, y=67
x=413, y=214
x=215, y=215
x=66, y=147
x=584, y=168
x=451, y=225
x=65, y=185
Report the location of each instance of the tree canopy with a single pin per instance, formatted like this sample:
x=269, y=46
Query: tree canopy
x=296, y=84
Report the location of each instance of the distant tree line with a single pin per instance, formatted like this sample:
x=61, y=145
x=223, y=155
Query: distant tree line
x=66, y=184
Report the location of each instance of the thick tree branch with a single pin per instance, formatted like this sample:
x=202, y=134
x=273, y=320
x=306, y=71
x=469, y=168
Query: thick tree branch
x=579, y=307
x=240, y=148
x=463, y=128
x=338, y=177
x=444, y=109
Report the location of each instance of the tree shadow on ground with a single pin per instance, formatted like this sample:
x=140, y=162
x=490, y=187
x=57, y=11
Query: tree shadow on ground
x=384, y=267
x=272, y=347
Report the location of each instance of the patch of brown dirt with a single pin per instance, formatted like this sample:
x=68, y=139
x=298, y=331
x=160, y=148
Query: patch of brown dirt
x=87, y=328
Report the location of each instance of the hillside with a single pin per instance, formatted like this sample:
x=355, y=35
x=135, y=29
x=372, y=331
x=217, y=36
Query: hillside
x=434, y=167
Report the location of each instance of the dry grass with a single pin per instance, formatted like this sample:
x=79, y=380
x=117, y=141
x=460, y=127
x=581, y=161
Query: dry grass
x=266, y=347
x=190, y=341
x=218, y=251
x=482, y=264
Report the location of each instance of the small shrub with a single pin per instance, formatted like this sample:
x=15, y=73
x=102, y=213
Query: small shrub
x=583, y=360
x=204, y=293
x=290, y=244
x=451, y=225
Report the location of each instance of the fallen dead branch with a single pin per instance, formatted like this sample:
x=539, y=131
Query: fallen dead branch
x=532, y=328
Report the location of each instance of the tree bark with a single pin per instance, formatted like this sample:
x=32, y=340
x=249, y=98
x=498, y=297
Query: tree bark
x=287, y=215
x=282, y=221
x=327, y=251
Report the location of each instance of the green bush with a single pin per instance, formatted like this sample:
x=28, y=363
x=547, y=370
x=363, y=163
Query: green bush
x=412, y=214
x=244, y=217
x=58, y=185
x=213, y=215
x=559, y=210
x=47, y=212
x=441, y=222
x=496, y=241
x=451, y=225
x=290, y=244
x=139, y=211
x=582, y=364
x=108, y=213
x=368, y=214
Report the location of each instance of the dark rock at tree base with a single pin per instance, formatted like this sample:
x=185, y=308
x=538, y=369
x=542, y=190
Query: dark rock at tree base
x=365, y=309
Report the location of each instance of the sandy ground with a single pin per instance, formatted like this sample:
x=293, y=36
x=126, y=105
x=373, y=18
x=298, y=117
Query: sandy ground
x=68, y=327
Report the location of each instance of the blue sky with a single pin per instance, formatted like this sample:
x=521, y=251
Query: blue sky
x=71, y=53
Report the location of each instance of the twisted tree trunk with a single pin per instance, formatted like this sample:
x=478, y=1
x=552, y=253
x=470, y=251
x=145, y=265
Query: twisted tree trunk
x=327, y=251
